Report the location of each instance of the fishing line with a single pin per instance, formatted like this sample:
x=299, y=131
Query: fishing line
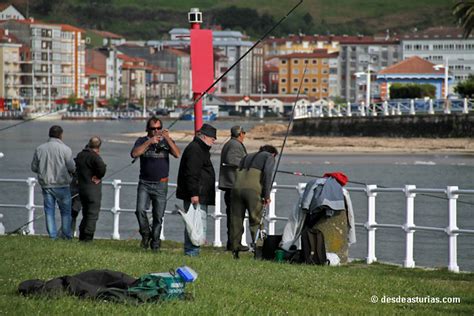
x=236, y=63
x=301, y=174
x=259, y=234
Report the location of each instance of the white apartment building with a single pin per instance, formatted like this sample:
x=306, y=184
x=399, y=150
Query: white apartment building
x=441, y=45
x=55, y=66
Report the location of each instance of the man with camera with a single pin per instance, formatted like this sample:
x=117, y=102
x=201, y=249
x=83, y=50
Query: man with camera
x=153, y=150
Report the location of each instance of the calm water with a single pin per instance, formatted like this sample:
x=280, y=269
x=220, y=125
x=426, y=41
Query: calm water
x=422, y=170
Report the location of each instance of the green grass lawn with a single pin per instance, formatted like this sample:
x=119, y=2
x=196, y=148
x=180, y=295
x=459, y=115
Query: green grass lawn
x=224, y=286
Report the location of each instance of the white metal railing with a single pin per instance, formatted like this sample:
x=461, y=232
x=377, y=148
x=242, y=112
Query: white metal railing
x=103, y=115
x=409, y=227
x=10, y=114
x=387, y=108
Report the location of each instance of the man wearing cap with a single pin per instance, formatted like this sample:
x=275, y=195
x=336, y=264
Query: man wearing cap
x=196, y=178
x=232, y=152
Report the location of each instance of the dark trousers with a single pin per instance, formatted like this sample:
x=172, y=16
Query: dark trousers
x=90, y=200
x=227, y=200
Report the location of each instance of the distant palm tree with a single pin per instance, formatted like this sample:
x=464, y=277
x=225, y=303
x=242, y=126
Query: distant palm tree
x=464, y=13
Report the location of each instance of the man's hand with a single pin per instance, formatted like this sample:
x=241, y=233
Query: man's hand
x=95, y=180
x=195, y=200
x=266, y=202
x=166, y=135
x=154, y=140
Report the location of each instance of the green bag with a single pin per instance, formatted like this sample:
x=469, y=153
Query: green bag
x=157, y=287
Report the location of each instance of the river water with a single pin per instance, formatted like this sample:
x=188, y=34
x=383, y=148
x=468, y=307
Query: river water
x=389, y=170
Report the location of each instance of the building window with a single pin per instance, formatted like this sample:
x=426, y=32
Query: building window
x=296, y=71
x=315, y=61
x=295, y=61
x=314, y=80
x=306, y=61
x=306, y=80
x=295, y=90
x=283, y=61
x=295, y=80
x=283, y=90
x=283, y=80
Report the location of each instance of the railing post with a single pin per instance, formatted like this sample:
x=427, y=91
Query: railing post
x=362, y=109
x=31, y=205
x=2, y=228
x=465, y=108
x=369, y=225
x=217, y=218
x=399, y=110
x=450, y=230
x=271, y=212
x=409, y=226
x=447, y=107
x=116, y=209
x=431, y=108
x=385, y=108
x=412, y=107
x=348, y=109
x=374, y=109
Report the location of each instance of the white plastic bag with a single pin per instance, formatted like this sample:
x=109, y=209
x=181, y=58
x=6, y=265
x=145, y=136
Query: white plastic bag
x=193, y=221
x=333, y=258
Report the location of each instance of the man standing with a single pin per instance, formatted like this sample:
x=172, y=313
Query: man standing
x=196, y=179
x=54, y=165
x=251, y=192
x=153, y=150
x=90, y=169
x=232, y=153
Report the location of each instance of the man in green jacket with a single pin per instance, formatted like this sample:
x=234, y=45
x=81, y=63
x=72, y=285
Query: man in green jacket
x=231, y=155
x=251, y=192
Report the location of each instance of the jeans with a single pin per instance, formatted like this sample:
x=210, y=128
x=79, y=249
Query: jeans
x=189, y=248
x=62, y=196
x=156, y=192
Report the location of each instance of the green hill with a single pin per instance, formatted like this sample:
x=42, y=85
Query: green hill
x=152, y=19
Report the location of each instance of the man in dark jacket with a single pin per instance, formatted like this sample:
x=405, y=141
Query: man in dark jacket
x=251, y=192
x=196, y=179
x=90, y=169
x=231, y=155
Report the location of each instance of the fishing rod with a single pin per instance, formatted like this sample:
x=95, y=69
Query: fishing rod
x=236, y=62
x=301, y=174
x=260, y=234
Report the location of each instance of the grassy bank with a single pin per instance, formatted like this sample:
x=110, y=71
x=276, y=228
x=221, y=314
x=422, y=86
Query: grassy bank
x=224, y=286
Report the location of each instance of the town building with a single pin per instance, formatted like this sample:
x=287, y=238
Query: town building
x=320, y=66
x=357, y=54
x=412, y=70
x=54, y=68
x=442, y=45
x=301, y=44
x=10, y=72
x=10, y=12
x=95, y=84
x=133, y=78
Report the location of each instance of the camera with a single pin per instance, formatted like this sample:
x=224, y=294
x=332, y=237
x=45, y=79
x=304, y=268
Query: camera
x=160, y=146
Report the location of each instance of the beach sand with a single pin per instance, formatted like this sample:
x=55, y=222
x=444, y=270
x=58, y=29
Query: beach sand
x=274, y=134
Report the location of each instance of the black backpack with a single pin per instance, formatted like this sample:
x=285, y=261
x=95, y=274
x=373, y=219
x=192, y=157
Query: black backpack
x=313, y=249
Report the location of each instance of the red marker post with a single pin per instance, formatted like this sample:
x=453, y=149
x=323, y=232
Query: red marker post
x=202, y=62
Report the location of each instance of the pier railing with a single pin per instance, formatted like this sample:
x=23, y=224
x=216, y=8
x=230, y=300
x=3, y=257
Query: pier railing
x=409, y=227
x=387, y=108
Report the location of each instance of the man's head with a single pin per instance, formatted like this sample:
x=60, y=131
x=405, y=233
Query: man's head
x=208, y=134
x=56, y=131
x=270, y=149
x=94, y=143
x=154, y=126
x=238, y=132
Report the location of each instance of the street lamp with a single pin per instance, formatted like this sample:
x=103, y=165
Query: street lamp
x=261, y=88
x=144, y=100
x=367, y=93
x=446, y=75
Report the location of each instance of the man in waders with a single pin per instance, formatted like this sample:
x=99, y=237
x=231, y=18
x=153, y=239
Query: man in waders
x=90, y=169
x=232, y=153
x=251, y=192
